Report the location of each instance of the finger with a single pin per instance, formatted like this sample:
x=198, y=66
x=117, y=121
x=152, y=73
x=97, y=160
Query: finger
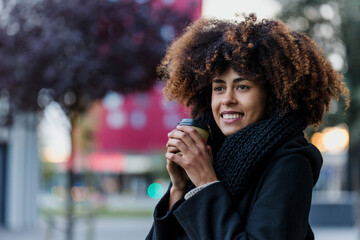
x=171, y=132
x=178, y=144
x=181, y=135
x=172, y=149
x=195, y=136
x=175, y=158
x=209, y=151
x=208, y=148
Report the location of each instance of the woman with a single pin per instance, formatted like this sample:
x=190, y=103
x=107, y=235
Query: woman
x=258, y=85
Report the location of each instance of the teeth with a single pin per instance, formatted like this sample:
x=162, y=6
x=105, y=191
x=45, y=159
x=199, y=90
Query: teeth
x=230, y=116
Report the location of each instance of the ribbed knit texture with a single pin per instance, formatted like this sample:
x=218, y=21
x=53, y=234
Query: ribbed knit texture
x=239, y=155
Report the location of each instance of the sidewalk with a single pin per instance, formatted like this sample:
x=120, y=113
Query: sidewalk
x=341, y=233
x=99, y=229
x=134, y=228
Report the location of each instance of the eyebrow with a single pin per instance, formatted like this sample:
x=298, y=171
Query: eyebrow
x=236, y=80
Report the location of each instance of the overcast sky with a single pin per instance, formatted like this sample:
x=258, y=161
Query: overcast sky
x=228, y=8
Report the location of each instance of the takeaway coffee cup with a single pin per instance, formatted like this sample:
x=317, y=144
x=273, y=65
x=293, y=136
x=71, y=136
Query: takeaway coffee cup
x=199, y=126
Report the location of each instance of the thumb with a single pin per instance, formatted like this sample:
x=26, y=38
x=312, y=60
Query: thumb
x=209, y=151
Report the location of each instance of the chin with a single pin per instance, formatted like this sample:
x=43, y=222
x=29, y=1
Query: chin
x=228, y=132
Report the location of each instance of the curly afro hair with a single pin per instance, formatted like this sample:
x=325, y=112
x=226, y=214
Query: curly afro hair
x=291, y=67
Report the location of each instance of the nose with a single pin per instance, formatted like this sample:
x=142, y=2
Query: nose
x=228, y=98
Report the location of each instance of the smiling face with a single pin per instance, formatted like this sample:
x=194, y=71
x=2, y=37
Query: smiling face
x=236, y=102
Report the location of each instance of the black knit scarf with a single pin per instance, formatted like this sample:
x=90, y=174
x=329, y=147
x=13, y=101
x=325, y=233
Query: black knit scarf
x=238, y=156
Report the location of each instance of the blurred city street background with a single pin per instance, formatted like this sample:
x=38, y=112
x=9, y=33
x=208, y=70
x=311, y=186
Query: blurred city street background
x=83, y=121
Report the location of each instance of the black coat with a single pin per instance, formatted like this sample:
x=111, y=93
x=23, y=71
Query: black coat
x=275, y=205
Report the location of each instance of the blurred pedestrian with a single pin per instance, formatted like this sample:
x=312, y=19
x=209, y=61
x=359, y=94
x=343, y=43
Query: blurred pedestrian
x=258, y=85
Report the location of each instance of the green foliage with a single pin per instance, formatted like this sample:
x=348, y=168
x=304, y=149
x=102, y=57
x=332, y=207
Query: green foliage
x=351, y=36
x=342, y=45
x=322, y=20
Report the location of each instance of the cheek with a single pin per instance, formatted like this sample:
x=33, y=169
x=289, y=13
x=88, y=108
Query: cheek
x=263, y=104
x=213, y=104
x=260, y=109
x=256, y=108
x=259, y=106
x=215, y=109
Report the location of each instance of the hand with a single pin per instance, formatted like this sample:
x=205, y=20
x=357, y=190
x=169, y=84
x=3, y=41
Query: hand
x=177, y=175
x=195, y=157
x=179, y=180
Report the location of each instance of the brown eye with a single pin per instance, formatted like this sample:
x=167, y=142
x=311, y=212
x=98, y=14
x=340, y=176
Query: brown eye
x=219, y=88
x=242, y=87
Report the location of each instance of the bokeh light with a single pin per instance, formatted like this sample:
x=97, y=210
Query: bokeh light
x=317, y=140
x=155, y=190
x=332, y=140
x=336, y=139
